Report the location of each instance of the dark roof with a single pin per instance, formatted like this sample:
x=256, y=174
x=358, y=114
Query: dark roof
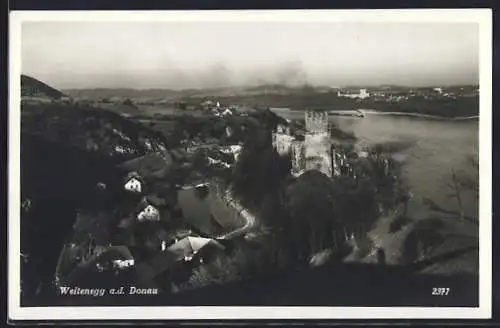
x=151, y=164
x=153, y=199
x=135, y=175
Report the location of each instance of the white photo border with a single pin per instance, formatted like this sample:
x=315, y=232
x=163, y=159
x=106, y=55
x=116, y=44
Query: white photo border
x=483, y=17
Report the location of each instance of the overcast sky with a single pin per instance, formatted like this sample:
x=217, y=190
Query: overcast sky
x=182, y=55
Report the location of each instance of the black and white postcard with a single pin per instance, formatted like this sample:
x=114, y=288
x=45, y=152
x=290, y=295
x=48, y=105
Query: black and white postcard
x=308, y=164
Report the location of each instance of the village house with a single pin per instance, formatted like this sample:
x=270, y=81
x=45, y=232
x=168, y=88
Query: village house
x=134, y=183
x=66, y=100
x=179, y=259
x=207, y=104
x=362, y=94
x=148, y=208
x=123, y=264
x=114, y=257
x=150, y=213
x=123, y=149
x=234, y=150
x=226, y=112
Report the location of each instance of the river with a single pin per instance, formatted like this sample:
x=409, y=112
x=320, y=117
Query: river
x=433, y=148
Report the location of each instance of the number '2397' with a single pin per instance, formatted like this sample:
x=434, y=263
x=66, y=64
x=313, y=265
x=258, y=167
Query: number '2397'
x=441, y=291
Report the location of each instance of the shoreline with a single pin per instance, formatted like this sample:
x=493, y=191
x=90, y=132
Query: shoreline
x=361, y=113
x=458, y=118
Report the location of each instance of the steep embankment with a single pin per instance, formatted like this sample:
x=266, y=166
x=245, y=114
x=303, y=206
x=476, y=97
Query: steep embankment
x=56, y=180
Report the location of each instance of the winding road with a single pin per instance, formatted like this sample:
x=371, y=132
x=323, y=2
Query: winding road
x=250, y=219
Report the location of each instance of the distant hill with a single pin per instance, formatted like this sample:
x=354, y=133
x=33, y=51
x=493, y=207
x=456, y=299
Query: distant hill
x=109, y=93
x=31, y=87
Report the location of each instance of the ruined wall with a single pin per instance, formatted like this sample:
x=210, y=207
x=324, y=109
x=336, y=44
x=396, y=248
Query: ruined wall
x=298, y=158
x=335, y=161
x=282, y=143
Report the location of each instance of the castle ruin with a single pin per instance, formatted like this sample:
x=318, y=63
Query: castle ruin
x=316, y=152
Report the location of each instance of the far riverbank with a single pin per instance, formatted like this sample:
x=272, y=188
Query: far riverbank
x=360, y=113
x=374, y=112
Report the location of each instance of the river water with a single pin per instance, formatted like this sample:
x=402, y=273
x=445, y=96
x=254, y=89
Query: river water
x=433, y=148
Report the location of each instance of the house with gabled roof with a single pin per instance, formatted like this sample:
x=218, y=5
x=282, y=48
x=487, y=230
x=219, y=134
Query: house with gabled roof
x=187, y=251
x=150, y=213
x=134, y=182
x=148, y=208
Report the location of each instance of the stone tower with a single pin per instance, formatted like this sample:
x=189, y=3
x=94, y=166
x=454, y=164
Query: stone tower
x=317, y=143
x=316, y=122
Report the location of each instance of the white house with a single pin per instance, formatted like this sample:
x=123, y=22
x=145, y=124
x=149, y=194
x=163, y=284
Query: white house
x=123, y=264
x=150, y=213
x=120, y=149
x=227, y=111
x=234, y=150
x=213, y=161
x=361, y=95
x=66, y=99
x=133, y=185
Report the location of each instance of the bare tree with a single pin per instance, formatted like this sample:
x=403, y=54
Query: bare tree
x=465, y=180
x=457, y=192
x=469, y=180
